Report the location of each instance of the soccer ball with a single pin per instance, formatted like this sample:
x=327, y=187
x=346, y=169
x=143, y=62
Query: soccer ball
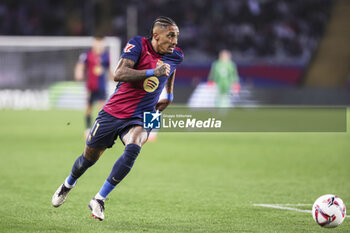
x=328, y=211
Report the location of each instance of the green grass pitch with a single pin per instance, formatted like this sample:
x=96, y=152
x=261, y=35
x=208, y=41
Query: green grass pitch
x=184, y=182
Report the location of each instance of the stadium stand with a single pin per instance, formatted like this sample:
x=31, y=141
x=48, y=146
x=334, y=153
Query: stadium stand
x=267, y=29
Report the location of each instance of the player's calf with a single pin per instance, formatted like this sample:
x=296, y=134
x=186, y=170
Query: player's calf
x=124, y=164
x=81, y=164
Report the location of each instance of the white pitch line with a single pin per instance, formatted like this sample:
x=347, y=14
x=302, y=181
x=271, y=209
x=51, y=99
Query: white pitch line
x=282, y=207
x=277, y=206
x=291, y=204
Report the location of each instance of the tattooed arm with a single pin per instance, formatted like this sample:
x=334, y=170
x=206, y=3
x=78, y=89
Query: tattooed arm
x=125, y=71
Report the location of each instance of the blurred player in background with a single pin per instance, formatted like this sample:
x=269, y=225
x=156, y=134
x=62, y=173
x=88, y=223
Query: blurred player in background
x=94, y=65
x=147, y=65
x=224, y=75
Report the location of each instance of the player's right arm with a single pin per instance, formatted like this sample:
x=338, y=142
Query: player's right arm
x=80, y=67
x=79, y=71
x=125, y=71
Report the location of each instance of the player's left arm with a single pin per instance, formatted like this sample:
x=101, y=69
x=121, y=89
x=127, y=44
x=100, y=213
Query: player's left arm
x=169, y=87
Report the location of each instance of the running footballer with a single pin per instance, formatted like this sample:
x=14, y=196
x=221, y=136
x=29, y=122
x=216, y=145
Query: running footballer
x=147, y=65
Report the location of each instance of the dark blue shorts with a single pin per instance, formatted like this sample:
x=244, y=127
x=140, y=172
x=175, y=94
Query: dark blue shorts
x=97, y=95
x=107, y=128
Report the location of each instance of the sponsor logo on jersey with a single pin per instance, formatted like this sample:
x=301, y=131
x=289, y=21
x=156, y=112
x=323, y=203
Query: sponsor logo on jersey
x=128, y=47
x=150, y=84
x=97, y=70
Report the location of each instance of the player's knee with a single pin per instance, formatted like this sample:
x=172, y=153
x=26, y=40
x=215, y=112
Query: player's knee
x=130, y=154
x=93, y=154
x=136, y=135
x=140, y=140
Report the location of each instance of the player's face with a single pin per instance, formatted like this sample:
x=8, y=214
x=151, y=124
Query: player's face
x=98, y=46
x=167, y=39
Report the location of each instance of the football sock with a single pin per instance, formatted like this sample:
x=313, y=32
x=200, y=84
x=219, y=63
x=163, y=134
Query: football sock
x=98, y=196
x=120, y=169
x=105, y=190
x=70, y=181
x=123, y=165
x=81, y=164
x=88, y=121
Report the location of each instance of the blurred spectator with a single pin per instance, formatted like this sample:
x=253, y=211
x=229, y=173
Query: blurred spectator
x=250, y=29
x=39, y=17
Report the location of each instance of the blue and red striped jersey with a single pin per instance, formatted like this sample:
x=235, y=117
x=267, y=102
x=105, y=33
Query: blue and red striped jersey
x=131, y=99
x=97, y=66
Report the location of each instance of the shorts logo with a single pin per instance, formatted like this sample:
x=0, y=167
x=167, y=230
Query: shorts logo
x=151, y=120
x=150, y=84
x=128, y=47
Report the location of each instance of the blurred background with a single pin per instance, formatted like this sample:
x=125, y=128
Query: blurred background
x=286, y=52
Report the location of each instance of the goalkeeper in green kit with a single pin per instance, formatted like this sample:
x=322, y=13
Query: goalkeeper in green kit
x=224, y=75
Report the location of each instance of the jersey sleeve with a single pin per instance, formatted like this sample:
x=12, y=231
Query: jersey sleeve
x=179, y=55
x=82, y=58
x=133, y=49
